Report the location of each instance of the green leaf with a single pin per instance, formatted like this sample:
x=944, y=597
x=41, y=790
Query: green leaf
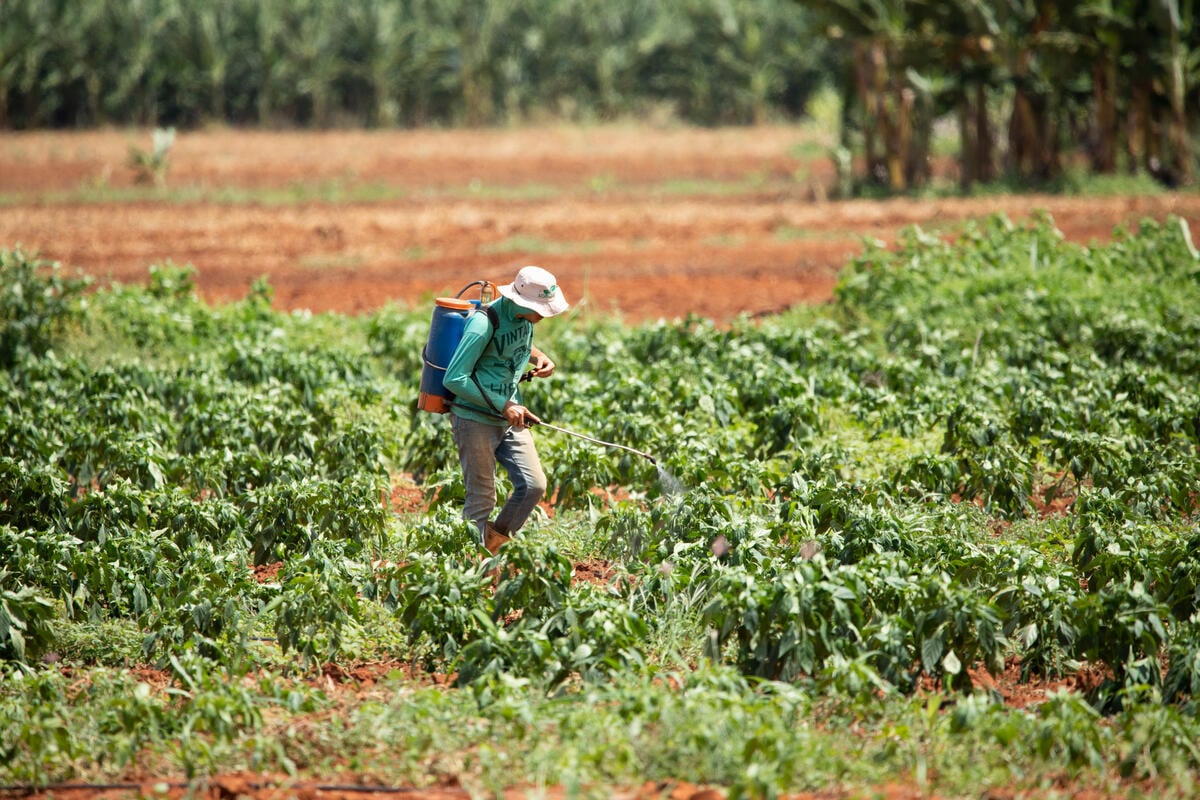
x=932, y=649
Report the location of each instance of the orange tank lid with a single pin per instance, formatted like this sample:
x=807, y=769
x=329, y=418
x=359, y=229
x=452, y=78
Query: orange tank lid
x=454, y=303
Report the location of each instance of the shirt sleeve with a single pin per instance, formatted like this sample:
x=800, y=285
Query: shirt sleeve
x=475, y=338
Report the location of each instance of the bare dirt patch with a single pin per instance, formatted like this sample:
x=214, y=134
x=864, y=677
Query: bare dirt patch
x=649, y=223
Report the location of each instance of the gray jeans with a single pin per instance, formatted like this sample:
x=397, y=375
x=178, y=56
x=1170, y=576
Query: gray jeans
x=480, y=447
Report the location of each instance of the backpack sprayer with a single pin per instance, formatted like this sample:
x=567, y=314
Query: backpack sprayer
x=450, y=316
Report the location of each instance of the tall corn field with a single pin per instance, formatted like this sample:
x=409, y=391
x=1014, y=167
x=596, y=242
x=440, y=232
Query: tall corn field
x=398, y=62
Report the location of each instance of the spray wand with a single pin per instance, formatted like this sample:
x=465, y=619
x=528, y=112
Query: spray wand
x=594, y=440
x=528, y=376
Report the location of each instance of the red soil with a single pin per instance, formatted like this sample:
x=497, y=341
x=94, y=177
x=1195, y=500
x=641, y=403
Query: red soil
x=621, y=215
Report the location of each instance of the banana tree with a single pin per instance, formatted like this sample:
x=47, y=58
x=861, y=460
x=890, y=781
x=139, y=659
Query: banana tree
x=1174, y=20
x=1033, y=149
x=1135, y=54
x=907, y=59
x=970, y=35
x=880, y=99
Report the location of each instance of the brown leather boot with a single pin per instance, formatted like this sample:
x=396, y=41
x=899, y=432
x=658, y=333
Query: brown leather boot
x=493, y=539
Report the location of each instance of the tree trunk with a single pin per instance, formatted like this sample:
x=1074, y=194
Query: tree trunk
x=869, y=66
x=897, y=123
x=1146, y=118
x=917, y=169
x=968, y=147
x=1104, y=94
x=1135, y=128
x=1023, y=138
x=1180, y=162
x=985, y=169
x=1029, y=124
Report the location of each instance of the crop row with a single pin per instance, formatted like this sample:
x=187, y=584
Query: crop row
x=146, y=487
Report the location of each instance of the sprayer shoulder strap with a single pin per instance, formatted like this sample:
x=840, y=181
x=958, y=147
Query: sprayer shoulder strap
x=493, y=318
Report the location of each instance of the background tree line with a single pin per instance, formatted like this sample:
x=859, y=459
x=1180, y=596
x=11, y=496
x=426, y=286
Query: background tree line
x=71, y=63
x=1027, y=84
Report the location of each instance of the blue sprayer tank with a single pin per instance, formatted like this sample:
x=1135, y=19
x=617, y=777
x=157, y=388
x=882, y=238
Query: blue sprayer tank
x=445, y=330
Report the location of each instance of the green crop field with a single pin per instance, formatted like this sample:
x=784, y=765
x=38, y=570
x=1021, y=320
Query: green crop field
x=941, y=534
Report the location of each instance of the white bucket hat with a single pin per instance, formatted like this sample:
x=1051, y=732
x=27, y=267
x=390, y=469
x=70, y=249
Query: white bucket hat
x=535, y=289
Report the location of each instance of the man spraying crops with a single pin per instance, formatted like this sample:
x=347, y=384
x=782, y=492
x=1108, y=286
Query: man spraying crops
x=489, y=422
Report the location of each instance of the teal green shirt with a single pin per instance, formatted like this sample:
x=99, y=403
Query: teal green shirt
x=496, y=359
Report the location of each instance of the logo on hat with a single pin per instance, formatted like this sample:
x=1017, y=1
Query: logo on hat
x=549, y=292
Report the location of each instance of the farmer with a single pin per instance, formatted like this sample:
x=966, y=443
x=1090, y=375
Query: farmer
x=489, y=422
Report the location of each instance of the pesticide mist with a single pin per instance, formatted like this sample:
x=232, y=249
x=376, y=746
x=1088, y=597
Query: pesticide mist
x=671, y=487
